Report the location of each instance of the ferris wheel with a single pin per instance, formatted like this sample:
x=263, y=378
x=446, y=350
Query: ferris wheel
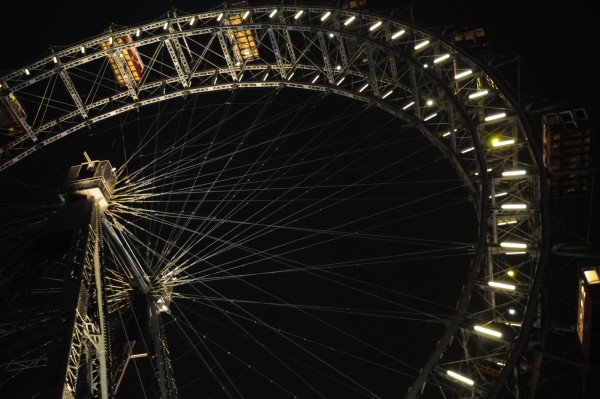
x=267, y=201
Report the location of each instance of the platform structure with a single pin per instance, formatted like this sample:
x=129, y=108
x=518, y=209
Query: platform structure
x=64, y=335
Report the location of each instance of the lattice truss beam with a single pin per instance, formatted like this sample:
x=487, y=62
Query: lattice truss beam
x=416, y=75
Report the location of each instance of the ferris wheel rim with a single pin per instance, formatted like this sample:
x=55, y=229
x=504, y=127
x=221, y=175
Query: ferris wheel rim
x=478, y=146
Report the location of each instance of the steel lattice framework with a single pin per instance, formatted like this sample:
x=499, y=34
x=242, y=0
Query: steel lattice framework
x=418, y=76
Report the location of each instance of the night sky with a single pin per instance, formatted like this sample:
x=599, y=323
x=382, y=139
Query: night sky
x=545, y=53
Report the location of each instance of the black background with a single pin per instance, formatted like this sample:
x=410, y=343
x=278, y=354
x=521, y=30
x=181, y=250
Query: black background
x=547, y=52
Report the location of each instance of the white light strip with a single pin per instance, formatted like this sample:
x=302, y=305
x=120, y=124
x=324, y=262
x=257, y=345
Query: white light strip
x=273, y=13
x=407, y=106
x=498, y=143
x=375, y=26
x=467, y=150
x=460, y=378
x=341, y=80
x=398, y=34
x=349, y=20
x=503, y=286
x=220, y=17
x=27, y=72
x=241, y=76
x=441, y=58
x=298, y=14
x=429, y=117
x=488, y=331
x=387, y=94
x=421, y=45
x=316, y=78
x=166, y=25
x=478, y=94
x=504, y=223
x=325, y=16
x=193, y=21
x=82, y=49
x=55, y=60
x=514, y=206
x=138, y=33
x=446, y=134
x=363, y=88
x=291, y=75
x=515, y=253
x=110, y=40
x=495, y=116
x=513, y=245
x=246, y=14
x=463, y=74
x=502, y=194
x=266, y=76
x=514, y=173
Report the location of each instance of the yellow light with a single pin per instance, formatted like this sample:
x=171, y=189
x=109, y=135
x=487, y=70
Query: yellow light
x=441, y=58
x=462, y=74
x=591, y=276
x=503, y=286
x=495, y=116
x=398, y=34
x=488, y=331
x=501, y=143
x=421, y=45
x=375, y=26
x=514, y=206
x=509, y=173
x=510, y=273
x=513, y=245
x=460, y=378
x=386, y=95
x=478, y=94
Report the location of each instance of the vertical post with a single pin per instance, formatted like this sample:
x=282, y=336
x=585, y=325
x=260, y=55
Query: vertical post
x=160, y=359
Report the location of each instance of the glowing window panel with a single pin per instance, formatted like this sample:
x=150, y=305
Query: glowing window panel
x=591, y=276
